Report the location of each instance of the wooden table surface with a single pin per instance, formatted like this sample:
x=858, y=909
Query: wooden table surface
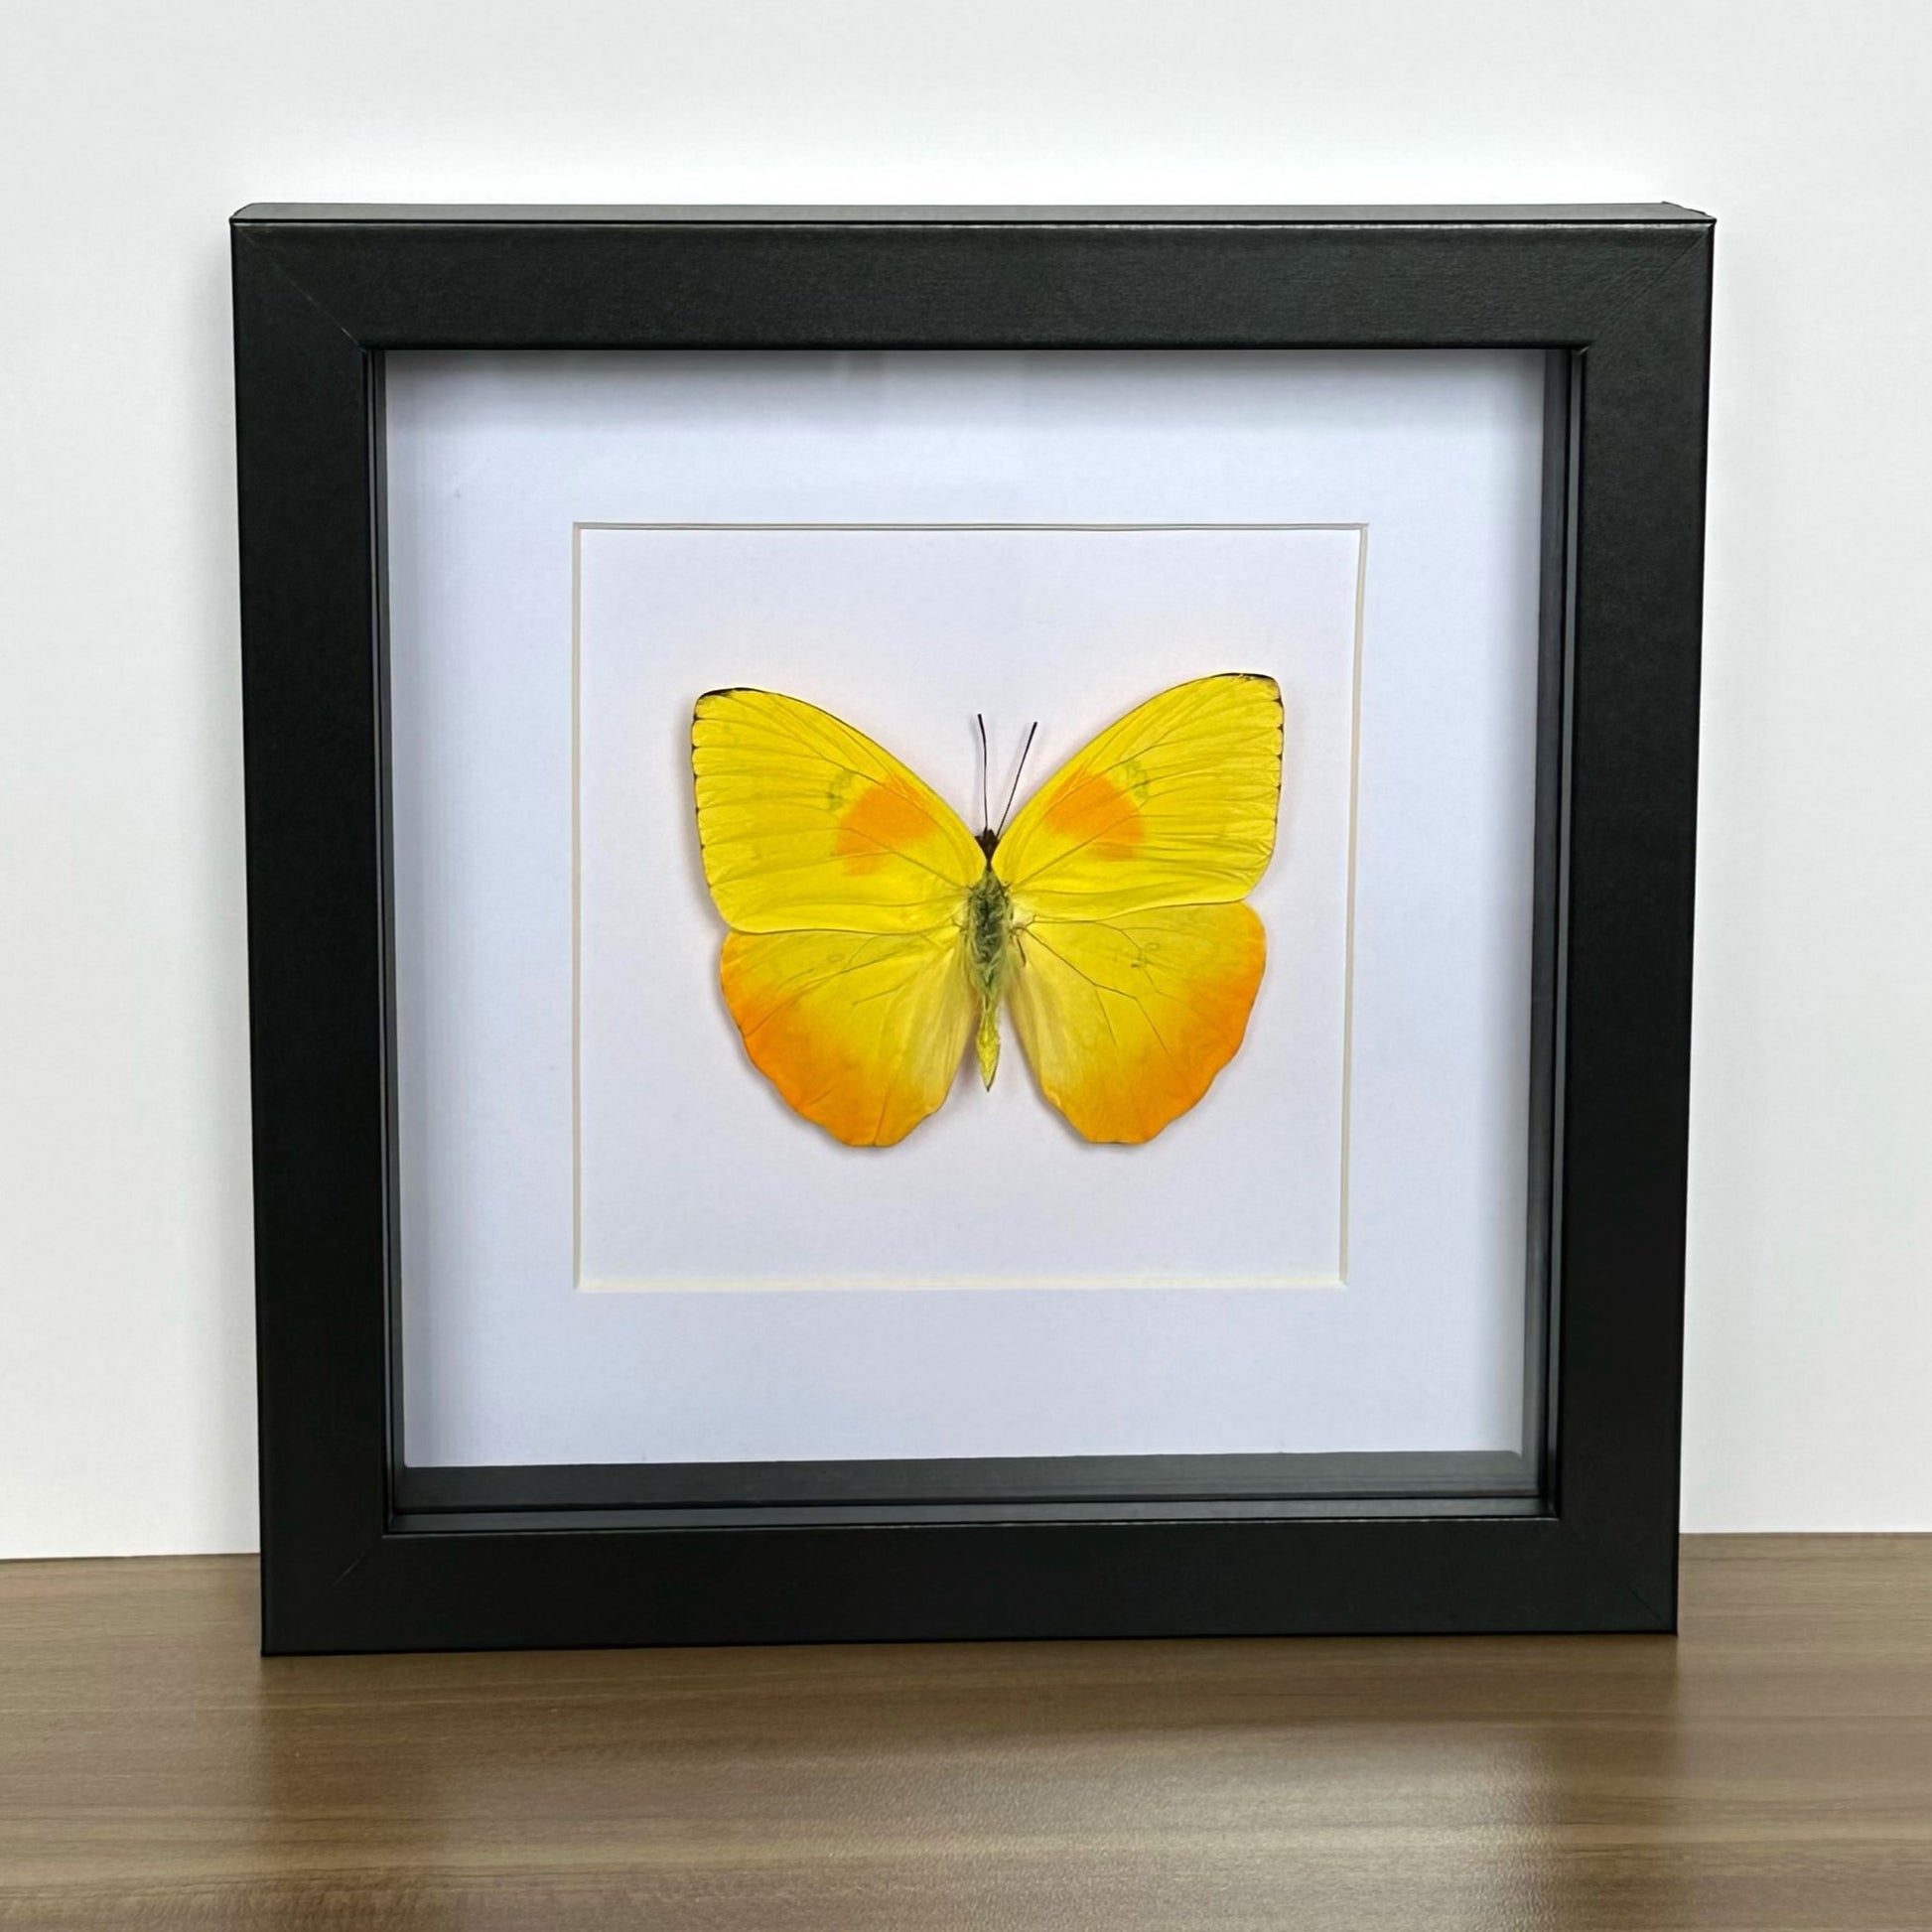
x=1770, y=1770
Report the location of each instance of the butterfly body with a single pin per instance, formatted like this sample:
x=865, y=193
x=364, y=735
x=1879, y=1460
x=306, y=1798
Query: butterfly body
x=872, y=935
x=988, y=936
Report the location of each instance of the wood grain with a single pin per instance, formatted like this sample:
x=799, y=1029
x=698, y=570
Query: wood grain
x=1770, y=1771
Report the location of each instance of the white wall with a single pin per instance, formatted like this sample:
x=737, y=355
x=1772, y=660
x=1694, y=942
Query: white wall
x=128, y=132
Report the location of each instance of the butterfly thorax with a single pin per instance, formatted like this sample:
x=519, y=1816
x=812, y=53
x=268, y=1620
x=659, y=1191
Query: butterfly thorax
x=988, y=932
x=989, y=921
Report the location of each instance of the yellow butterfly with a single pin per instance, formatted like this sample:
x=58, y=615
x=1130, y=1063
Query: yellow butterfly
x=872, y=935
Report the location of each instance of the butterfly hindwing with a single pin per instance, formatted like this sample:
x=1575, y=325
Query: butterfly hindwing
x=1137, y=965
x=860, y=1032
x=1126, y=1021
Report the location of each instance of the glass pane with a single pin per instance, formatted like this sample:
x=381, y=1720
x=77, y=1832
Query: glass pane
x=623, y=1245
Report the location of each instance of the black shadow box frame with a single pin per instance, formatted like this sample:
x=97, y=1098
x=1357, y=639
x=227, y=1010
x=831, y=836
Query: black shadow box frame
x=361, y=1554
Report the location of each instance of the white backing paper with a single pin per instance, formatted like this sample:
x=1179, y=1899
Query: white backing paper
x=692, y=1172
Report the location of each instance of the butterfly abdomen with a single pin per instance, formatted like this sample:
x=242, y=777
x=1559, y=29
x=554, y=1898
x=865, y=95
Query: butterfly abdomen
x=989, y=943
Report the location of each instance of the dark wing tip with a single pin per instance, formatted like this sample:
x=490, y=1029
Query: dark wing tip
x=1263, y=677
x=704, y=699
x=1239, y=677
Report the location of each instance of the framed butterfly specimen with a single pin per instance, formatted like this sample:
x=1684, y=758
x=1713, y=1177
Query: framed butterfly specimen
x=872, y=935
x=1190, y=1140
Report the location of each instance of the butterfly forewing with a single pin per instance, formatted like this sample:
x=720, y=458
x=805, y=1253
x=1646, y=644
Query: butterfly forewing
x=806, y=824
x=1175, y=805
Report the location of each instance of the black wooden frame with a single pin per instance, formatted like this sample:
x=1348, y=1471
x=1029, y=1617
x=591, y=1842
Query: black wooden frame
x=1619, y=295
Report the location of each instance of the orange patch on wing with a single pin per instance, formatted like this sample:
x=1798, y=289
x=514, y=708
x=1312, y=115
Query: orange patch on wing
x=1089, y=809
x=882, y=820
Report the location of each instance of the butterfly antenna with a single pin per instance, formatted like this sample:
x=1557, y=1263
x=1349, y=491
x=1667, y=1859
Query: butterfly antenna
x=1020, y=770
x=986, y=814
